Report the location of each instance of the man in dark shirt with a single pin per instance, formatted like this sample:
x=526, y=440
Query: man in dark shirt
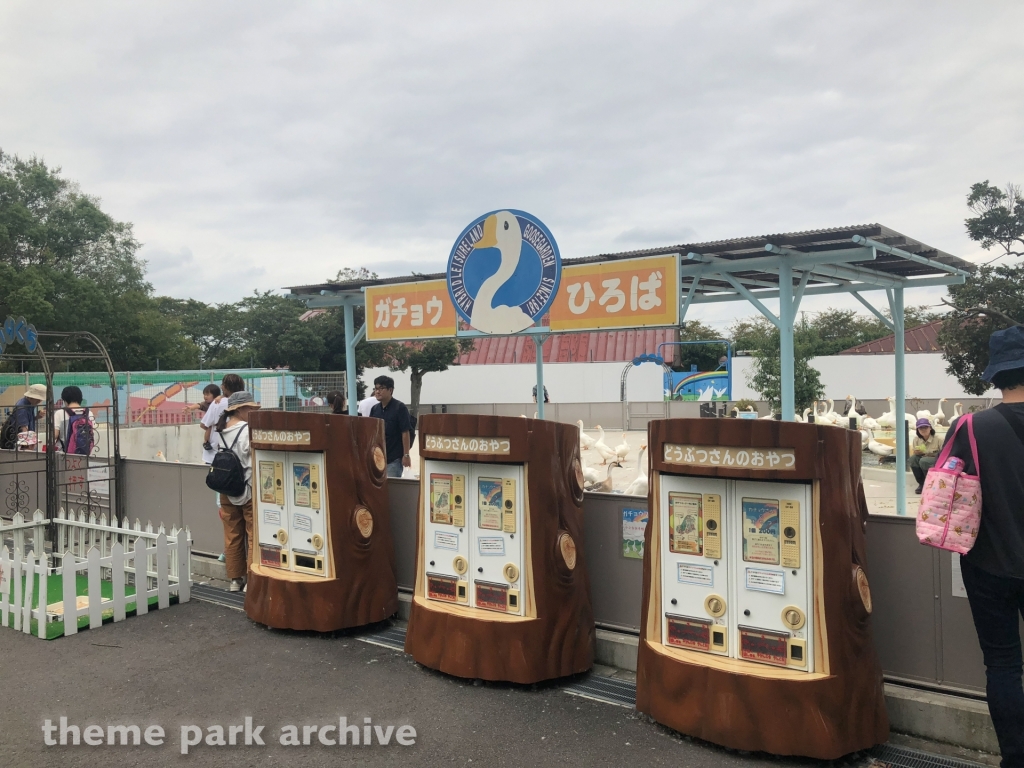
x=397, y=424
x=993, y=570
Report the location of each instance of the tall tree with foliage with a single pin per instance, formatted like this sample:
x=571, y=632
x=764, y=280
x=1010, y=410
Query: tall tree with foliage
x=66, y=265
x=993, y=297
x=762, y=338
x=420, y=358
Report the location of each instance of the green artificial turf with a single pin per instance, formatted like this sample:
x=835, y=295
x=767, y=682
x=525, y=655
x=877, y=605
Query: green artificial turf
x=55, y=593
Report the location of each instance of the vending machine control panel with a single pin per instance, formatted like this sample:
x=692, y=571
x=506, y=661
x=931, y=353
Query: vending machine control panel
x=472, y=513
x=291, y=526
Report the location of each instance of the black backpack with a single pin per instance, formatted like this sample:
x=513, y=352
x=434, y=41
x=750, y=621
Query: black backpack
x=9, y=432
x=226, y=473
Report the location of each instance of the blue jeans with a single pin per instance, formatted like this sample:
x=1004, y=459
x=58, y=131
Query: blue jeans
x=996, y=602
x=395, y=468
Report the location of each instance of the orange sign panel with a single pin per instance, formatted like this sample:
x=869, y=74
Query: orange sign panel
x=409, y=311
x=631, y=293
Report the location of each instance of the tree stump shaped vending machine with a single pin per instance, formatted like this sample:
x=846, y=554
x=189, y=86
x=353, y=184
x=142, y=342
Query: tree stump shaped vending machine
x=323, y=557
x=755, y=631
x=502, y=591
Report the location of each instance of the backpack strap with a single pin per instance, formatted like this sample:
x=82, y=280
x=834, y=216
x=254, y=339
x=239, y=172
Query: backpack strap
x=1012, y=419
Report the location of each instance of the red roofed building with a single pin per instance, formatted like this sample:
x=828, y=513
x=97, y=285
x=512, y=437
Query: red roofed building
x=918, y=340
x=592, y=347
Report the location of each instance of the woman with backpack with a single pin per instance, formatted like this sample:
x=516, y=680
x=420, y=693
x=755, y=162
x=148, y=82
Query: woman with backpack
x=236, y=511
x=74, y=427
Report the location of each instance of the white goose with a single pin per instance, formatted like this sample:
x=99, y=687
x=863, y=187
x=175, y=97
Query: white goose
x=940, y=417
x=590, y=476
x=602, y=448
x=852, y=412
x=958, y=410
x=639, y=485
x=585, y=440
x=880, y=449
x=771, y=414
x=501, y=229
x=622, y=449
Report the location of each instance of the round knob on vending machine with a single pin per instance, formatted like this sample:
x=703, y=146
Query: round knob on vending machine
x=715, y=605
x=746, y=612
x=480, y=570
x=431, y=562
x=674, y=601
x=793, y=617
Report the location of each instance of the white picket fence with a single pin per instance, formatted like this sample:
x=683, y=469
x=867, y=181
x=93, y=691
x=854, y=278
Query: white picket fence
x=158, y=565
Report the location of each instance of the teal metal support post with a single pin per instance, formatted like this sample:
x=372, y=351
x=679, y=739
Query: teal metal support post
x=350, y=359
x=786, y=362
x=901, y=401
x=539, y=343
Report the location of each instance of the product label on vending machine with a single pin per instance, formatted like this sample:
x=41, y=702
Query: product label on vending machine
x=702, y=575
x=508, y=524
x=761, y=531
x=489, y=506
x=491, y=545
x=300, y=484
x=441, y=499
x=268, y=491
x=686, y=521
x=762, y=580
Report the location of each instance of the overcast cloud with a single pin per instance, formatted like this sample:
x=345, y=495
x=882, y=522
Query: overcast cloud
x=260, y=145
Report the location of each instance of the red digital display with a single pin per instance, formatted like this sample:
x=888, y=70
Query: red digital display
x=694, y=634
x=764, y=645
x=493, y=597
x=442, y=588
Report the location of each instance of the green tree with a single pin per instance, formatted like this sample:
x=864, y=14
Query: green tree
x=765, y=376
x=988, y=301
x=705, y=356
x=993, y=297
x=66, y=265
x=275, y=336
x=424, y=357
x=998, y=219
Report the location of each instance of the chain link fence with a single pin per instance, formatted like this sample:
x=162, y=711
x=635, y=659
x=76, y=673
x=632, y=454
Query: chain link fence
x=157, y=398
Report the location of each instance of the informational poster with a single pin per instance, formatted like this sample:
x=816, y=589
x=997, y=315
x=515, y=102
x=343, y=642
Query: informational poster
x=302, y=523
x=441, y=499
x=686, y=521
x=634, y=525
x=489, y=506
x=267, y=488
x=761, y=531
x=701, y=575
x=491, y=545
x=443, y=540
x=762, y=580
x=300, y=484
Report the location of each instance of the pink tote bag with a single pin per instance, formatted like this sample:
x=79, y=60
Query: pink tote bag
x=950, y=512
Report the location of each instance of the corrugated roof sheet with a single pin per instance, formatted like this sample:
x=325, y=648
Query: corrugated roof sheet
x=741, y=248
x=920, y=339
x=595, y=347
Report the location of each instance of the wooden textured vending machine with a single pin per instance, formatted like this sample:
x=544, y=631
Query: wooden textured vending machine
x=755, y=626
x=502, y=591
x=322, y=555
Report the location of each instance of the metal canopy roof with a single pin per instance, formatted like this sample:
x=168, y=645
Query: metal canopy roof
x=842, y=259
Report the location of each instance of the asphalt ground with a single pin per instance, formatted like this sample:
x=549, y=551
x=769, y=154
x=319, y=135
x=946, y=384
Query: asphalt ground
x=203, y=664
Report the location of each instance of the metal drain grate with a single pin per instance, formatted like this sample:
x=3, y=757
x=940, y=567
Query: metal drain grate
x=608, y=690
x=219, y=596
x=393, y=637
x=904, y=757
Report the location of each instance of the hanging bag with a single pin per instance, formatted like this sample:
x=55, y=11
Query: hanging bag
x=950, y=512
x=227, y=475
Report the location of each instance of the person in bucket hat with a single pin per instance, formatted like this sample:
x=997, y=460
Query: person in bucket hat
x=993, y=570
x=236, y=511
x=924, y=451
x=22, y=424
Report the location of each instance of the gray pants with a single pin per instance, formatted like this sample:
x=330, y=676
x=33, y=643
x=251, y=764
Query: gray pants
x=920, y=465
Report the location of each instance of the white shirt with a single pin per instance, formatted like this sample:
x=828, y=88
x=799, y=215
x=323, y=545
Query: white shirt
x=366, y=405
x=210, y=419
x=60, y=419
x=241, y=450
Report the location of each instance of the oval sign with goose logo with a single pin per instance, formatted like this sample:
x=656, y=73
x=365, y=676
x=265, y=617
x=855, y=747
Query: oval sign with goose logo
x=503, y=272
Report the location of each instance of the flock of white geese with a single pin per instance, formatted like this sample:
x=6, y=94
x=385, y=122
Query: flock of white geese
x=824, y=412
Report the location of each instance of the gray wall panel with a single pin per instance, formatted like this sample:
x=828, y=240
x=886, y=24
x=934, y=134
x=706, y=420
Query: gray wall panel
x=403, y=496
x=616, y=581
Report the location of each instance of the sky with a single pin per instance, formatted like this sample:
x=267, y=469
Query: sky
x=260, y=145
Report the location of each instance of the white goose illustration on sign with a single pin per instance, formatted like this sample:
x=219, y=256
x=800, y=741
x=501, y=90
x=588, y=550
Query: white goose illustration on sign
x=503, y=272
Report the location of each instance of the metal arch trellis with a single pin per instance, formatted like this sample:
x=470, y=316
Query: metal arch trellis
x=53, y=348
